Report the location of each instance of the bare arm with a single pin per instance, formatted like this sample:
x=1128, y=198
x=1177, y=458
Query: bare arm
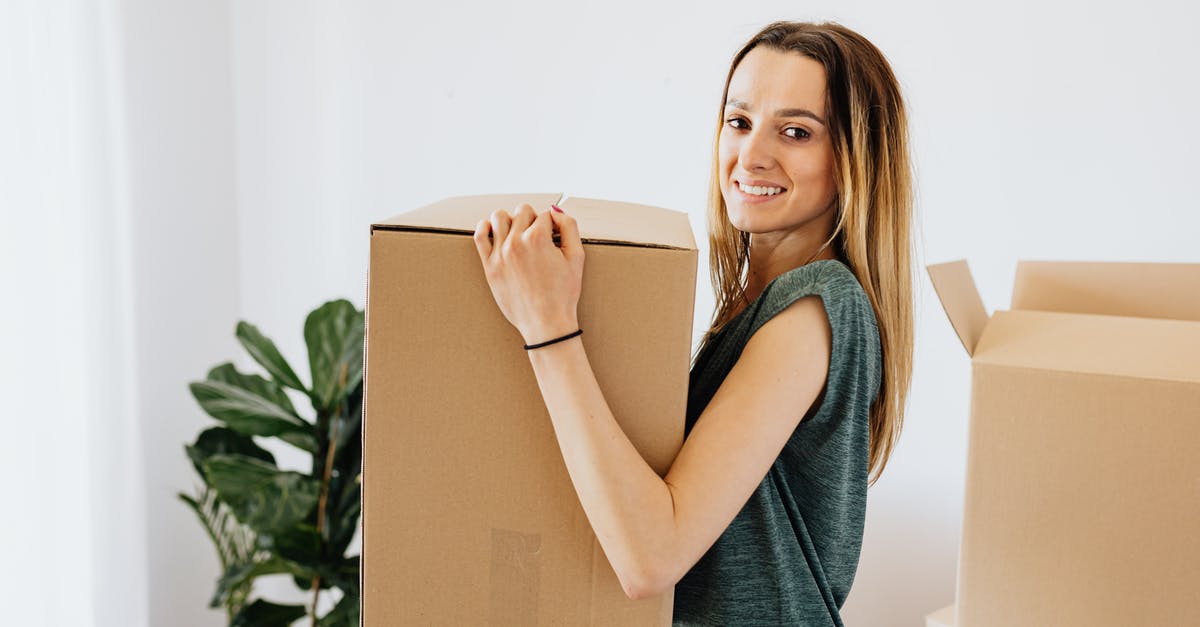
x=654, y=529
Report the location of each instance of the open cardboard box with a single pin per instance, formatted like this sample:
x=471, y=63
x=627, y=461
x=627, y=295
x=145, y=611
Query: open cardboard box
x=469, y=514
x=1082, y=504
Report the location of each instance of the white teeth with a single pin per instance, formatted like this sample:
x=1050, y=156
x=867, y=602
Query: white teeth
x=760, y=191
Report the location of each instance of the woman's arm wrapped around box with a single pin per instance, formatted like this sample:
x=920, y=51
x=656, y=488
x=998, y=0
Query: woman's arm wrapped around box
x=652, y=528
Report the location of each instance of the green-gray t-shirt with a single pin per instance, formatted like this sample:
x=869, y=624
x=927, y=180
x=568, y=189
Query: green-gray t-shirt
x=790, y=555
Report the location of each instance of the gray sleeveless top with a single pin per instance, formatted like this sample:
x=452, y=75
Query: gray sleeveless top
x=790, y=555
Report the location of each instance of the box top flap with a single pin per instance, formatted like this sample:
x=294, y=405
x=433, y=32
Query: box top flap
x=604, y=221
x=1144, y=290
x=1092, y=344
x=630, y=222
x=961, y=300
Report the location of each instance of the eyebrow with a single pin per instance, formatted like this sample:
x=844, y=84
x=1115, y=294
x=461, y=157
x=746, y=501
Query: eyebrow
x=781, y=113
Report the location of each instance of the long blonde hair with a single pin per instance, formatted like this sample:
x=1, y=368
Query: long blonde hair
x=869, y=129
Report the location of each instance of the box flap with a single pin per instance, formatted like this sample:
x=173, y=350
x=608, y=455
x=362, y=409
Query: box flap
x=960, y=299
x=1093, y=344
x=600, y=221
x=630, y=222
x=1145, y=290
x=459, y=214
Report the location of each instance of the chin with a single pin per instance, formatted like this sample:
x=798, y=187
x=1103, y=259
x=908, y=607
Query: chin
x=742, y=221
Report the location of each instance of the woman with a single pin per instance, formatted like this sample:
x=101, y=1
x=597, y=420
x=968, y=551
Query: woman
x=797, y=392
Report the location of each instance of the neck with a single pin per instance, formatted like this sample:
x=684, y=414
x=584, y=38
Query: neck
x=772, y=254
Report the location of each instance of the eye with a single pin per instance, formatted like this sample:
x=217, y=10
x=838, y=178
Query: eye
x=801, y=133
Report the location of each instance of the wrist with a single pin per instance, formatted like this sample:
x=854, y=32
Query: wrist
x=549, y=331
x=550, y=344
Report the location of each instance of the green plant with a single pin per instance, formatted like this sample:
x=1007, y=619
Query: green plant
x=267, y=521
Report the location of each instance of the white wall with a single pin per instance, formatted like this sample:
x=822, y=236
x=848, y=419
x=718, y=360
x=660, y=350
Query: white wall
x=266, y=136
x=180, y=171
x=73, y=525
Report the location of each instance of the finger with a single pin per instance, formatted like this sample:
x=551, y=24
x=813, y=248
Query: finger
x=483, y=243
x=501, y=222
x=523, y=216
x=542, y=228
x=569, y=240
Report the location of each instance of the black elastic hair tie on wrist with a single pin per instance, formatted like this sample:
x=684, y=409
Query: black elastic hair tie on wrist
x=557, y=339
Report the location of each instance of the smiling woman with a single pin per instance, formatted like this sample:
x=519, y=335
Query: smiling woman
x=776, y=158
x=798, y=388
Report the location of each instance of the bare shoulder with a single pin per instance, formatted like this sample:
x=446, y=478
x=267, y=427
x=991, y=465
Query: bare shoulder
x=776, y=379
x=797, y=338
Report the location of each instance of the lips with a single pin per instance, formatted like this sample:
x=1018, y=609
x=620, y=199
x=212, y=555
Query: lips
x=746, y=197
x=759, y=183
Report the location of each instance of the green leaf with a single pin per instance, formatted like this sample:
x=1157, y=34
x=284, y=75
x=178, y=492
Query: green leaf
x=265, y=614
x=205, y=516
x=346, y=574
x=303, y=583
x=218, y=440
x=270, y=390
x=263, y=350
x=244, y=574
x=348, y=435
x=342, y=533
x=300, y=544
x=344, y=614
x=251, y=414
x=233, y=541
x=334, y=334
x=267, y=499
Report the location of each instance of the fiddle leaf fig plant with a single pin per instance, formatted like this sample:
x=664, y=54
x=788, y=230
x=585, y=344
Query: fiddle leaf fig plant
x=264, y=520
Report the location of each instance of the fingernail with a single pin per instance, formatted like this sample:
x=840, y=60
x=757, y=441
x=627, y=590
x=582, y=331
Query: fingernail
x=555, y=207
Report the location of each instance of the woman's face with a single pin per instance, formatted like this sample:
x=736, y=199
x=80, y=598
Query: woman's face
x=774, y=136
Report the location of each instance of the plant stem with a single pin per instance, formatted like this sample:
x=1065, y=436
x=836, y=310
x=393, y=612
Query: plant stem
x=324, y=498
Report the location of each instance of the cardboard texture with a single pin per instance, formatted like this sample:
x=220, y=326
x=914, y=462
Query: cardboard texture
x=469, y=514
x=1082, y=503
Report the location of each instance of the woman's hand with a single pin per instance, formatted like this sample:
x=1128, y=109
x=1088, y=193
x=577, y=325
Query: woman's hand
x=535, y=283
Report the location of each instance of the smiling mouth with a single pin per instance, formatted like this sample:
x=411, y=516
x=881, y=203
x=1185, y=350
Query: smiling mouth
x=759, y=191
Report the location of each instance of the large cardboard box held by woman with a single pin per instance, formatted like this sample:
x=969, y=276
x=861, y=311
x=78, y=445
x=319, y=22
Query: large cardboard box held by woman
x=1082, y=504
x=469, y=514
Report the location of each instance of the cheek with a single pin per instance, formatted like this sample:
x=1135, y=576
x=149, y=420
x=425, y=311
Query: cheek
x=816, y=173
x=726, y=154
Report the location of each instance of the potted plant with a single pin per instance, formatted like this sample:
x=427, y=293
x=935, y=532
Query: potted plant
x=264, y=520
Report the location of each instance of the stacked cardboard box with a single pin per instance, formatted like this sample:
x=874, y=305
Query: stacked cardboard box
x=469, y=514
x=1082, y=504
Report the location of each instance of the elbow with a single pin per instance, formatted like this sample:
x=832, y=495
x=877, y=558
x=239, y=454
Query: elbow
x=646, y=583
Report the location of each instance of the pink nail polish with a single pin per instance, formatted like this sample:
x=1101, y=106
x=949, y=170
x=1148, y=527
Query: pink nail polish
x=555, y=207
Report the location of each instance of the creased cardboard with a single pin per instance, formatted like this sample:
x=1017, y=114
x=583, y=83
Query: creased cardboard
x=469, y=514
x=1082, y=499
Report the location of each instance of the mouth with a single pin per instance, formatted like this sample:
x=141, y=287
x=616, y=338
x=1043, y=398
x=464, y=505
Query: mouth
x=759, y=193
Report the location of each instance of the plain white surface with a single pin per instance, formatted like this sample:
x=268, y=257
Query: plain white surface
x=257, y=141
x=74, y=522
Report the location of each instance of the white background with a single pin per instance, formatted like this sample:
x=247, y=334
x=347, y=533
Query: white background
x=179, y=165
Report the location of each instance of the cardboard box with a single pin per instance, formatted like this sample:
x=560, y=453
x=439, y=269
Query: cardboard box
x=1082, y=504
x=469, y=514
x=941, y=618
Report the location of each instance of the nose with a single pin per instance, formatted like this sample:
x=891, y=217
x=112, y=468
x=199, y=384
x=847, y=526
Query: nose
x=756, y=152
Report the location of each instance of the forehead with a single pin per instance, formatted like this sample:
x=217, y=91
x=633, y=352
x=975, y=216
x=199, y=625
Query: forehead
x=776, y=80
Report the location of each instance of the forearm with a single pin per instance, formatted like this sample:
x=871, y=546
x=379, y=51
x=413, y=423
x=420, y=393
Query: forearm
x=629, y=506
